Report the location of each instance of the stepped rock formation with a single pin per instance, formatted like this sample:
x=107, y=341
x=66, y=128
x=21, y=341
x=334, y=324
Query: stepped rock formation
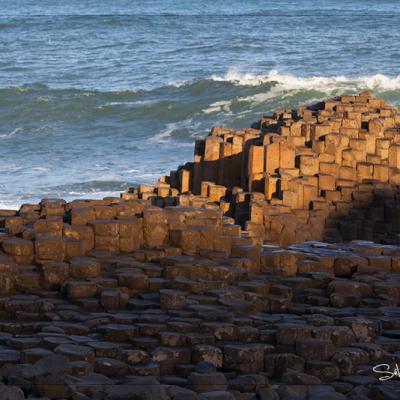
x=327, y=172
x=161, y=293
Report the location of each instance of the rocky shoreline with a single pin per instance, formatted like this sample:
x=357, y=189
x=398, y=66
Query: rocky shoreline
x=215, y=283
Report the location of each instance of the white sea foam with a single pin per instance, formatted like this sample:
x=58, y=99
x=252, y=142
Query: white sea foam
x=162, y=136
x=322, y=83
x=91, y=194
x=218, y=107
x=40, y=169
x=381, y=82
x=10, y=168
x=259, y=97
x=131, y=103
x=165, y=135
x=107, y=176
x=7, y=205
x=241, y=78
x=179, y=84
x=12, y=133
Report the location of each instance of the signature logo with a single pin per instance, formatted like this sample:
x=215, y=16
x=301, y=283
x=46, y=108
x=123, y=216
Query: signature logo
x=386, y=371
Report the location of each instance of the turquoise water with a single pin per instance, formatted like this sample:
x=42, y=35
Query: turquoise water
x=96, y=95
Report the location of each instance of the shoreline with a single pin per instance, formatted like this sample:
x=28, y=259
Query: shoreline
x=215, y=282
x=69, y=198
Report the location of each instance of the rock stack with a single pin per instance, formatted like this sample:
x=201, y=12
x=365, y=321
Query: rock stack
x=161, y=293
x=328, y=172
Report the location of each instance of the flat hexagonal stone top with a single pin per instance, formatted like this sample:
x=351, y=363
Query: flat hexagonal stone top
x=9, y=356
x=75, y=352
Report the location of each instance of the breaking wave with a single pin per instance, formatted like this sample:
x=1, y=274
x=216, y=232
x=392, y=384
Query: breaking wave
x=86, y=134
x=323, y=83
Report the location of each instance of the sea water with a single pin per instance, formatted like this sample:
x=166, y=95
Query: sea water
x=96, y=96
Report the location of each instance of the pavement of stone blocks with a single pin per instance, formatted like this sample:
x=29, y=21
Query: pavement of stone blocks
x=206, y=327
